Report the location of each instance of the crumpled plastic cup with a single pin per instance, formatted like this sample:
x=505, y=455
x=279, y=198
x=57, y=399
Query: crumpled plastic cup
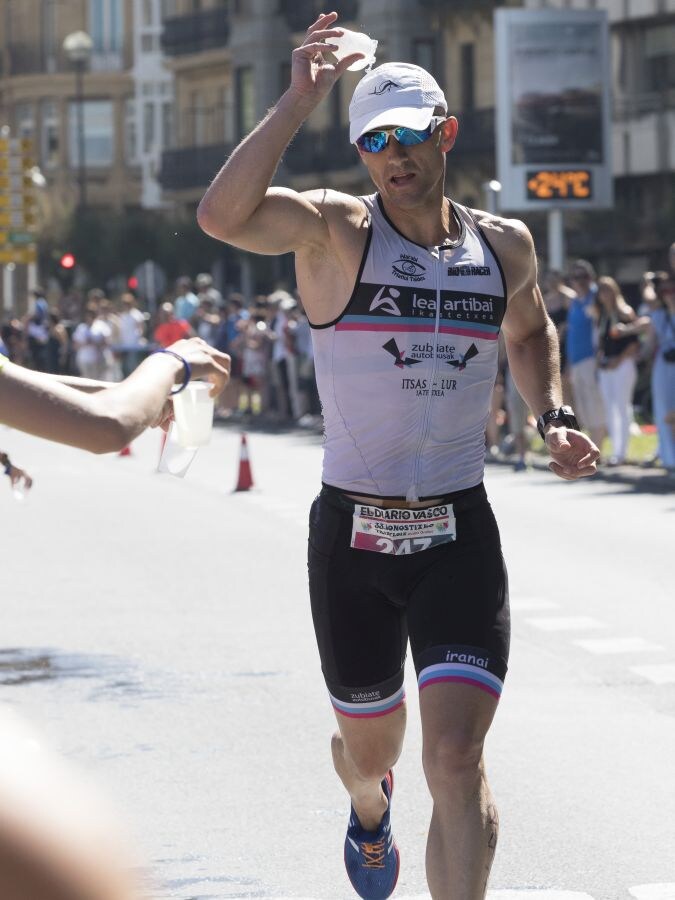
x=355, y=42
x=193, y=412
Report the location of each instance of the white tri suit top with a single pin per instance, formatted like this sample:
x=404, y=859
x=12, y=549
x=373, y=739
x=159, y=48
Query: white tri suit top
x=406, y=372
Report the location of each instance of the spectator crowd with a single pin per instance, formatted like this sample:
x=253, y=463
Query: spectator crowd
x=617, y=358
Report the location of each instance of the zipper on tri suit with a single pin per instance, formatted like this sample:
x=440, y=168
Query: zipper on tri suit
x=413, y=490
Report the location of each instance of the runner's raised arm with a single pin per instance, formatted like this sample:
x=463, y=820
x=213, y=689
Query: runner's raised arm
x=240, y=207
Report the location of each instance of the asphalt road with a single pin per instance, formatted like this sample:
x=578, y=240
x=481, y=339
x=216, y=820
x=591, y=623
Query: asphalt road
x=157, y=631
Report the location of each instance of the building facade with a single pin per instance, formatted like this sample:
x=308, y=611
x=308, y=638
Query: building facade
x=40, y=98
x=231, y=60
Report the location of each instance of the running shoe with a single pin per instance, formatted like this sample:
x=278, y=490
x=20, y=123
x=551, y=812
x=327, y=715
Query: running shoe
x=371, y=857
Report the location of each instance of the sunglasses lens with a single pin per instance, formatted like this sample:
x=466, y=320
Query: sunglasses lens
x=408, y=137
x=373, y=142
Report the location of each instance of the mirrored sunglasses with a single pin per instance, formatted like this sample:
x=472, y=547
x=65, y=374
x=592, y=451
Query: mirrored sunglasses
x=376, y=141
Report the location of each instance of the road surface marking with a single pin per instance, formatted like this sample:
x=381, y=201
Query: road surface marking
x=618, y=645
x=526, y=894
x=565, y=623
x=663, y=674
x=531, y=604
x=537, y=895
x=653, y=891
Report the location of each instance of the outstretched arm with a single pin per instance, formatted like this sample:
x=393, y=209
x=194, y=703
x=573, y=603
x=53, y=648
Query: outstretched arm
x=532, y=349
x=240, y=207
x=109, y=419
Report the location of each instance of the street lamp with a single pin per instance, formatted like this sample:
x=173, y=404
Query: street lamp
x=78, y=47
x=492, y=189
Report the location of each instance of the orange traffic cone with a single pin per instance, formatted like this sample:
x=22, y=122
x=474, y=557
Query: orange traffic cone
x=125, y=451
x=245, y=478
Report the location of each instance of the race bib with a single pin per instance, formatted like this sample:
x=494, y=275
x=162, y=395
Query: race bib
x=402, y=531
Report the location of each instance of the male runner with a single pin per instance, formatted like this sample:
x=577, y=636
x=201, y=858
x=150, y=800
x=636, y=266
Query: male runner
x=406, y=292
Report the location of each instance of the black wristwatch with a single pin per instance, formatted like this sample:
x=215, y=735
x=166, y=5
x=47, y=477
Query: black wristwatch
x=564, y=415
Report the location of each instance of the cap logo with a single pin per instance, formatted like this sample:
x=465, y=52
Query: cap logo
x=385, y=86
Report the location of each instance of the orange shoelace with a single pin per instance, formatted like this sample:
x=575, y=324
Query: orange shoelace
x=374, y=854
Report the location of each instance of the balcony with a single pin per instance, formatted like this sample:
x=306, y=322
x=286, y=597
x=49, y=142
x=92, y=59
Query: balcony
x=320, y=151
x=192, y=167
x=300, y=14
x=461, y=6
x=476, y=133
x=29, y=59
x=194, y=33
x=638, y=105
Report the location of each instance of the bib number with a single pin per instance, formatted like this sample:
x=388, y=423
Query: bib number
x=400, y=532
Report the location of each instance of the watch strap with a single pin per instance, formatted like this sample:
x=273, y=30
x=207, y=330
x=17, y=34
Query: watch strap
x=563, y=414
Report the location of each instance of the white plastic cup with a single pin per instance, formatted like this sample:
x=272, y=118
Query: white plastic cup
x=355, y=42
x=193, y=412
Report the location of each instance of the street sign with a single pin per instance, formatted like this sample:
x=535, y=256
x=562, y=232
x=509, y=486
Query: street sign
x=23, y=255
x=553, y=109
x=18, y=208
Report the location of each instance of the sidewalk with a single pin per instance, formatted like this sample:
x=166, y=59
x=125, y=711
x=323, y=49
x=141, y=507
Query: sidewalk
x=649, y=479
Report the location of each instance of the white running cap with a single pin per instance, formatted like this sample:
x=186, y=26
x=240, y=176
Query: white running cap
x=394, y=94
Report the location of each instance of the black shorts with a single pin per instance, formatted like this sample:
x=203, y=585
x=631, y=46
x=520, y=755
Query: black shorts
x=450, y=601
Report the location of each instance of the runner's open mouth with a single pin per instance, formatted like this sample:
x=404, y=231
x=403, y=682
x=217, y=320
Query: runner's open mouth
x=402, y=179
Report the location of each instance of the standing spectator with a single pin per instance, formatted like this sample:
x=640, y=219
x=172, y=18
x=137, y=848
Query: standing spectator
x=307, y=389
x=206, y=320
x=516, y=422
x=226, y=341
x=132, y=333
x=557, y=299
x=617, y=365
x=580, y=348
x=37, y=331
x=14, y=339
x=283, y=372
x=58, y=345
x=663, y=370
x=252, y=346
x=206, y=291
x=170, y=329
x=661, y=323
x=113, y=359
x=186, y=302
x=91, y=340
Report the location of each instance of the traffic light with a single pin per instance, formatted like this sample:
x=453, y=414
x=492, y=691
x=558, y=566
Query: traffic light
x=132, y=283
x=67, y=261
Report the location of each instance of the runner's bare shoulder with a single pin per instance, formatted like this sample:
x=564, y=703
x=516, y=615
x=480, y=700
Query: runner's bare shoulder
x=345, y=217
x=511, y=240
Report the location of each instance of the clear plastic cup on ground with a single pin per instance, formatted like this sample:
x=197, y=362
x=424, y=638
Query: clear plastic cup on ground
x=193, y=412
x=355, y=42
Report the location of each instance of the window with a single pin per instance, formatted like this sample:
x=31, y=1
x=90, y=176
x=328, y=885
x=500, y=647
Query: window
x=198, y=119
x=168, y=9
x=167, y=125
x=48, y=14
x=660, y=58
x=424, y=53
x=25, y=120
x=106, y=25
x=148, y=127
x=99, y=133
x=50, y=143
x=467, y=77
x=148, y=13
x=245, y=101
x=130, y=136
x=149, y=43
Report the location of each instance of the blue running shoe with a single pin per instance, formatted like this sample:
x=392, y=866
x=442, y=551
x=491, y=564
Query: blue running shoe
x=371, y=857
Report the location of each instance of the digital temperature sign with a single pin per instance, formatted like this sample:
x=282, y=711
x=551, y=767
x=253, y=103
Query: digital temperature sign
x=564, y=184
